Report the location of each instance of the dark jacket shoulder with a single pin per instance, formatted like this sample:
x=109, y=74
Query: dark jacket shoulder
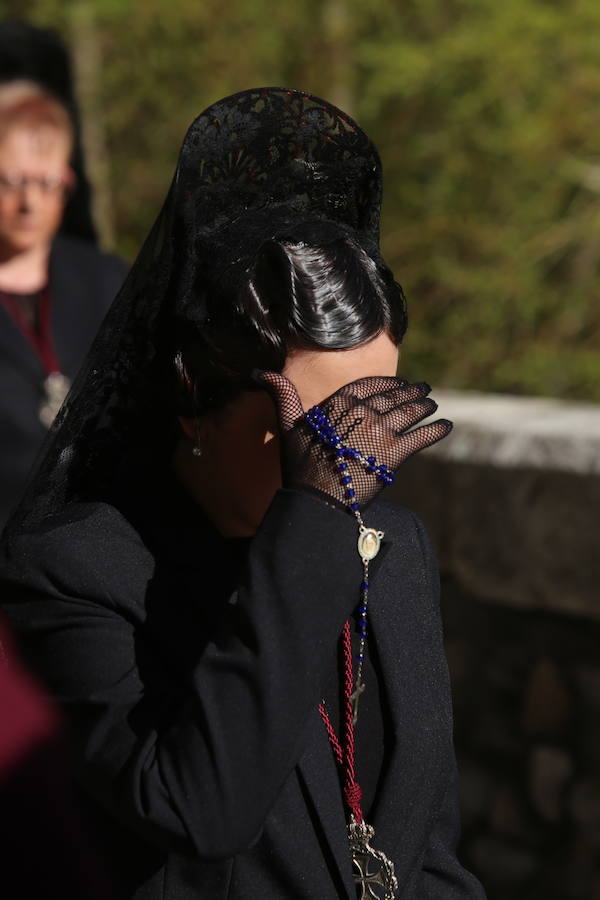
x=84, y=281
x=96, y=262
x=89, y=551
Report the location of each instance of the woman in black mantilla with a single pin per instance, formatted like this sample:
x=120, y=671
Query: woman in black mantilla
x=184, y=569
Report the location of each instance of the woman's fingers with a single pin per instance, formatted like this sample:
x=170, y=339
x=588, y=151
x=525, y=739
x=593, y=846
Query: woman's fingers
x=379, y=392
x=285, y=396
x=387, y=400
x=425, y=436
x=409, y=413
x=370, y=386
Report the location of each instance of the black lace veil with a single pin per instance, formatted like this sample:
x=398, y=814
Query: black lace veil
x=264, y=163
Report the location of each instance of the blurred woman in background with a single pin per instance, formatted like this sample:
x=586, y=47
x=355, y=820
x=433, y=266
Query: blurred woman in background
x=54, y=289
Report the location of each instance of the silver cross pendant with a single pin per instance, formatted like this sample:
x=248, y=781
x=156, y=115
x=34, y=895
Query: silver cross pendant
x=355, y=697
x=373, y=872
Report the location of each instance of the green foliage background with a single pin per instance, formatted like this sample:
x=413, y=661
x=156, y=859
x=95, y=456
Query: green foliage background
x=486, y=115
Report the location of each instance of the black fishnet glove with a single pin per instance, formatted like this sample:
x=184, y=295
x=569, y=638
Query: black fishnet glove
x=372, y=415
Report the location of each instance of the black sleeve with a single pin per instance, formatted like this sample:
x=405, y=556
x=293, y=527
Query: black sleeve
x=442, y=875
x=207, y=772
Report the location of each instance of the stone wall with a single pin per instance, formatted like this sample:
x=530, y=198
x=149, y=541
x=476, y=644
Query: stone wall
x=527, y=712
x=512, y=501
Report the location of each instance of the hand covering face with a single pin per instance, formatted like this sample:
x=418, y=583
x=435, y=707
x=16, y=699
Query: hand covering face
x=374, y=415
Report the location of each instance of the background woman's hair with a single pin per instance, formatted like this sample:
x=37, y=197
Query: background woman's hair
x=29, y=106
x=331, y=296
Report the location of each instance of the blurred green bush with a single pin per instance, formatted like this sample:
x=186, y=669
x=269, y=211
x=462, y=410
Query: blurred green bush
x=487, y=116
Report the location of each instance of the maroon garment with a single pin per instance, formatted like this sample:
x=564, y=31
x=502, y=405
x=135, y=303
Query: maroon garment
x=26, y=719
x=31, y=313
x=42, y=850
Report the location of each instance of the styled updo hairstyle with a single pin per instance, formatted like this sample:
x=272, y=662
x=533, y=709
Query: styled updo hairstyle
x=329, y=296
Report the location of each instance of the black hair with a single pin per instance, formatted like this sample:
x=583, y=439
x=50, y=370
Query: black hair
x=331, y=296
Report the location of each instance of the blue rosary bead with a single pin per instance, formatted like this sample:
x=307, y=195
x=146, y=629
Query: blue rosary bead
x=364, y=585
x=319, y=422
x=384, y=474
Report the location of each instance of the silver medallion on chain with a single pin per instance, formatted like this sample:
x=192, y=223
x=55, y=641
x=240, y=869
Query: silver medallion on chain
x=369, y=542
x=56, y=388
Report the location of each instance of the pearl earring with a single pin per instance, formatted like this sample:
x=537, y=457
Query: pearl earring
x=197, y=450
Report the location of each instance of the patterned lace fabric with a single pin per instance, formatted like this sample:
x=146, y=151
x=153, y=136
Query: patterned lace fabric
x=264, y=163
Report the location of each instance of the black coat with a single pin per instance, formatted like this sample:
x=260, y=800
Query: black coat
x=193, y=694
x=83, y=282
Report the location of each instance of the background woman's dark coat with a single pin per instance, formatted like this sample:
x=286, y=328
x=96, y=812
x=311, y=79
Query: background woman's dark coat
x=193, y=700
x=83, y=283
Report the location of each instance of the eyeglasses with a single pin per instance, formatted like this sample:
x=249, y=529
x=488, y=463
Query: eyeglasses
x=13, y=182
